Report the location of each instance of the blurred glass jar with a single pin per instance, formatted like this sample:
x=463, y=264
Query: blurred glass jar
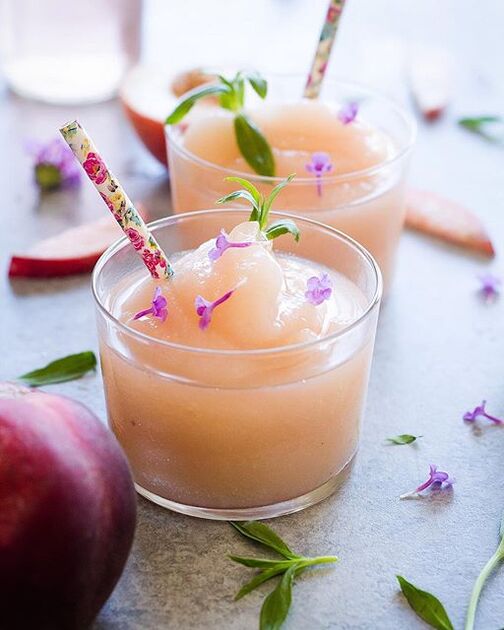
x=68, y=52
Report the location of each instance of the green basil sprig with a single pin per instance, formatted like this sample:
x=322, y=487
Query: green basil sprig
x=261, y=207
x=425, y=605
x=289, y=565
x=65, y=369
x=404, y=438
x=485, y=126
x=231, y=93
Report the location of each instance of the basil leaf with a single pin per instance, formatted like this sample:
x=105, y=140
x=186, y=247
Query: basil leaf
x=276, y=606
x=263, y=534
x=243, y=194
x=261, y=563
x=425, y=605
x=66, y=369
x=249, y=187
x=189, y=101
x=283, y=226
x=258, y=83
x=481, y=124
x=257, y=580
x=253, y=146
x=404, y=438
x=273, y=195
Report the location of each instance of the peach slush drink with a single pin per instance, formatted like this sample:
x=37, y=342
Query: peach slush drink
x=349, y=149
x=236, y=387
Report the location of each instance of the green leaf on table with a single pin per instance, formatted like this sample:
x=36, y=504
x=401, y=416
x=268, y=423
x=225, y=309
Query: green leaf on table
x=404, y=438
x=253, y=146
x=425, y=605
x=65, y=369
x=261, y=533
x=484, y=126
x=186, y=104
x=257, y=580
x=276, y=605
x=283, y=226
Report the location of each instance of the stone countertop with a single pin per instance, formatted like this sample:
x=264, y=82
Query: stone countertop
x=439, y=349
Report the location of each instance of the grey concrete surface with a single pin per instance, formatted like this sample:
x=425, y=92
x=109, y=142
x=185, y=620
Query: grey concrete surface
x=439, y=349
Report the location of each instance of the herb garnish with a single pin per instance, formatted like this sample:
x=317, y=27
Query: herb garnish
x=403, y=438
x=496, y=559
x=276, y=605
x=425, y=605
x=484, y=126
x=261, y=207
x=231, y=94
x=65, y=369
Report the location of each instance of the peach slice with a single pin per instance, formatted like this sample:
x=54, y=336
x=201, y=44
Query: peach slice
x=448, y=220
x=149, y=94
x=71, y=252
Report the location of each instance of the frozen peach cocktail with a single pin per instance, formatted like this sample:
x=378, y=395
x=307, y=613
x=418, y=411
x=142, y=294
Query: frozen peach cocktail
x=237, y=387
x=349, y=148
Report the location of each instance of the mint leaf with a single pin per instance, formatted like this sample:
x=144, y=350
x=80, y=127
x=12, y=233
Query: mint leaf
x=483, y=126
x=283, y=226
x=258, y=198
x=259, y=85
x=253, y=146
x=66, y=369
x=425, y=605
x=257, y=580
x=261, y=533
x=261, y=563
x=185, y=106
x=268, y=202
x=276, y=606
x=404, y=438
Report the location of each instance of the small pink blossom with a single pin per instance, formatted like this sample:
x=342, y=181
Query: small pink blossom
x=158, y=308
x=222, y=243
x=437, y=478
x=480, y=412
x=318, y=289
x=319, y=165
x=55, y=165
x=348, y=113
x=204, y=308
x=136, y=239
x=490, y=286
x=95, y=168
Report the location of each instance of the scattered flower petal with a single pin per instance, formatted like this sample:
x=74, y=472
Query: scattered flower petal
x=480, y=412
x=159, y=307
x=320, y=164
x=222, y=243
x=204, y=308
x=55, y=166
x=437, y=478
x=348, y=113
x=318, y=289
x=490, y=286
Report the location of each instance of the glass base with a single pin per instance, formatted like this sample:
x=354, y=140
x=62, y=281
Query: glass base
x=254, y=513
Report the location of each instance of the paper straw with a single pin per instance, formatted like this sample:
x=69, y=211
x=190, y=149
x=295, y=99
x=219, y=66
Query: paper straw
x=117, y=200
x=323, y=52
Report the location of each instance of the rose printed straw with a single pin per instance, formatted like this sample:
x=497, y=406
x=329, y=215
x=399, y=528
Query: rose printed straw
x=323, y=52
x=117, y=200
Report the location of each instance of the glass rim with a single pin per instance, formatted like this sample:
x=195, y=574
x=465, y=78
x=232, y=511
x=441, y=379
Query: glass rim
x=123, y=242
x=406, y=117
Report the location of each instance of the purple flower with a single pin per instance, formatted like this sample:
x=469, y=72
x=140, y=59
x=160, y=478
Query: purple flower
x=320, y=164
x=222, y=243
x=348, y=113
x=204, y=308
x=318, y=289
x=480, y=412
x=437, y=478
x=55, y=165
x=489, y=286
x=159, y=307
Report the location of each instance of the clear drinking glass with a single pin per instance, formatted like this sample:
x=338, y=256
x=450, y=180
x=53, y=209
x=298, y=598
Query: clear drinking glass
x=369, y=204
x=68, y=52
x=233, y=434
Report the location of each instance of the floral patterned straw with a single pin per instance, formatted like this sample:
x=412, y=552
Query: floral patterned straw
x=321, y=59
x=117, y=200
